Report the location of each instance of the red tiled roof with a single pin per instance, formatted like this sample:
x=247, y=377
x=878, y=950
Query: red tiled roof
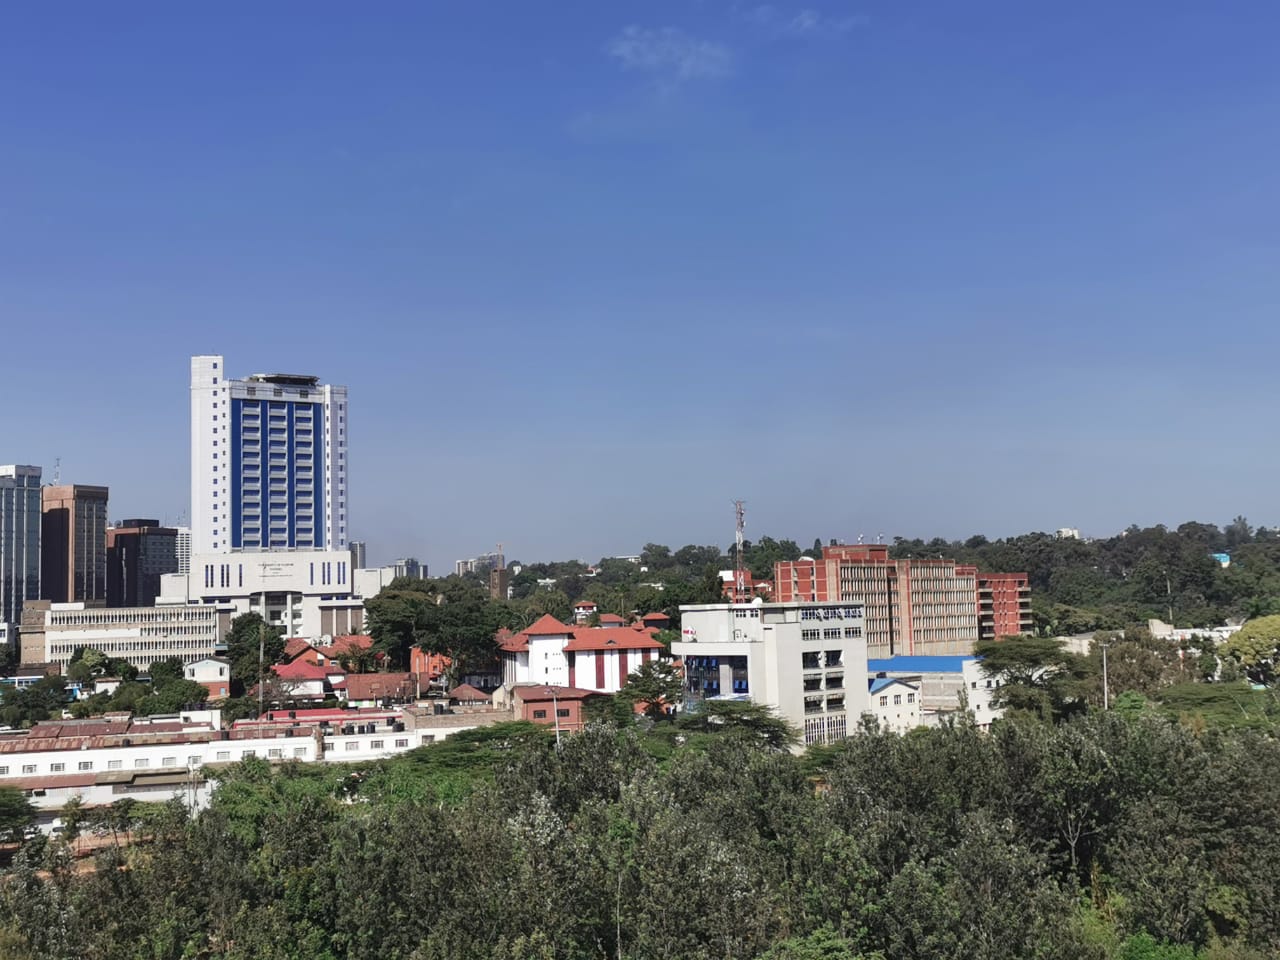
x=344, y=645
x=612, y=638
x=611, y=618
x=544, y=692
x=466, y=692
x=372, y=686
x=513, y=642
x=583, y=604
x=547, y=626
x=300, y=670
x=295, y=646
x=655, y=616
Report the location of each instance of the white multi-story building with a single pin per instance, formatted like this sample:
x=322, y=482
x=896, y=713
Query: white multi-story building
x=52, y=632
x=598, y=659
x=268, y=462
x=19, y=539
x=183, y=548
x=947, y=685
x=807, y=661
x=896, y=704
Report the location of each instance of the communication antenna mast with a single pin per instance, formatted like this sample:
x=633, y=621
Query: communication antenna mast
x=57, y=471
x=739, y=562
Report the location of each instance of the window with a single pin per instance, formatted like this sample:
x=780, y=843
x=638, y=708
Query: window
x=897, y=699
x=275, y=753
x=884, y=701
x=4, y=771
x=299, y=751
x=57, y=767
x=378, y=745
x=401, y=744
x=28, y=768
x=224, y=754
x=911, y=698
x=114, y=764
x=141, y=763
x=352, y=745
x=539, y=714
x=329, y=745
x=194, y=761
x=245, y=754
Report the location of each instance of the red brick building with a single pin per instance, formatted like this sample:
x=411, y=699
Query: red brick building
x=913, y=606
x=552, y=705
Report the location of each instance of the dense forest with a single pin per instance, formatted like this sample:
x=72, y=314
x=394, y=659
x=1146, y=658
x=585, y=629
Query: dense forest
x=1124, y=835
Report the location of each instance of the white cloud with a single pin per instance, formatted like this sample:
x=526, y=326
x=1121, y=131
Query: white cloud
x=670, y=55
x=810, y=22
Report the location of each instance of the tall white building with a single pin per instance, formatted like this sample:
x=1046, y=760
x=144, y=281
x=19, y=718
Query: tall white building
x=19, y=539
x=808, y=661
x=183, y=547
x=268, y=462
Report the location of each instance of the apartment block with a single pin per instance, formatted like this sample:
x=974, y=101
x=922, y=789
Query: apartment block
x=52, y=632
x=1004, y=605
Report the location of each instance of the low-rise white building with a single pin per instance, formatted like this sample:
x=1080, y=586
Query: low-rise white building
x=598, y=659
x=808, y=661
x=896, y=704
x=947, y=685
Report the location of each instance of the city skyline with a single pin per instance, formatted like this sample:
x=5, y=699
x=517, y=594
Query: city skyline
x=928, y=273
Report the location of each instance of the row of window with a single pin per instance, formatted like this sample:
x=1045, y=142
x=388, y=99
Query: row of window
x=897, y=699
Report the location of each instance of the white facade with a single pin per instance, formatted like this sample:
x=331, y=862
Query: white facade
x=807, y=661
x=182, y=548
x=141, y=635
x=268, y=462
x=947, y=685
x=297, y=590
x=896, y=705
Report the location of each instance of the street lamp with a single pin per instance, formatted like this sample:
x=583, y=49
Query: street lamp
x=1106, y=698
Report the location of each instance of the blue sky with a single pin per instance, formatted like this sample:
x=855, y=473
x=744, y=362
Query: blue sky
x=592, y=270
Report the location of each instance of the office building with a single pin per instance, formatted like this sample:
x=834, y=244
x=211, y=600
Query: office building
x=52, y=632
x=73, y=543
x=19, y=540
x=358, y=555
x=139, y=553
x=914, y=606
x=183, y=548
x=268, y=462
x=806, y=660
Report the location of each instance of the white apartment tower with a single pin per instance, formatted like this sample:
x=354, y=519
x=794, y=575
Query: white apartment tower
x=268, y=462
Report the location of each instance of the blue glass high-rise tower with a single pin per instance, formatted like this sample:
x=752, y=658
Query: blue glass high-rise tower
x=268, y=462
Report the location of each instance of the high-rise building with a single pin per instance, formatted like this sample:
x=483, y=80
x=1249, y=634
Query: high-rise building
x=73, y=543
x=19, y=540
x=183, y=549
x=358, y=556
x=268, y=462
x=913, y=606
x=139, y=553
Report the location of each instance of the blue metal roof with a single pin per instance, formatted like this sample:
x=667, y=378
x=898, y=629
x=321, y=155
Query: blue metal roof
x=879, y=683
x=905, y=664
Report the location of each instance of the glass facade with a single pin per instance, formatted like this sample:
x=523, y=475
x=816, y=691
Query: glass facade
x=20, y=511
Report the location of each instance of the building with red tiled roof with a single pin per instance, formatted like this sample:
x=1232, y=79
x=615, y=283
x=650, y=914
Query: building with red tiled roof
x=552, y=705
x=659, y=621
x=603, y=657
x=370, y=689
x=611, y=620
x=468, y=695
x=295, y=646
x=536, y=654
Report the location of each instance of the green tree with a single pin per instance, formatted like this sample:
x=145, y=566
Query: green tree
x=755, y=722
x=655, y=685
x=16, y=813
x=247, y=632
x=1035, y=675
x=1256, y=648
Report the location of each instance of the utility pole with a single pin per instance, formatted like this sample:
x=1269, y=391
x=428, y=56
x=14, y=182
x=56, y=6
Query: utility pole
x=262, y=681
x=555, y=707
x=739, y=562
x=1106, y=693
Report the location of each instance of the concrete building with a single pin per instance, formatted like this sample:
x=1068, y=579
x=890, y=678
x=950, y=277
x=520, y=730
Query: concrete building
x=20, y=518
x=51, y=632
x=914, y=606
x=806, y=660
x=183, y=549
x=139, y=553
x=359, y=555
x=1004, y=605
x=73, y=543
x=896, y=704
x=307, y=593
x=947, y=685
x=268, y=462
x=214, y=673
x=598, y=659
